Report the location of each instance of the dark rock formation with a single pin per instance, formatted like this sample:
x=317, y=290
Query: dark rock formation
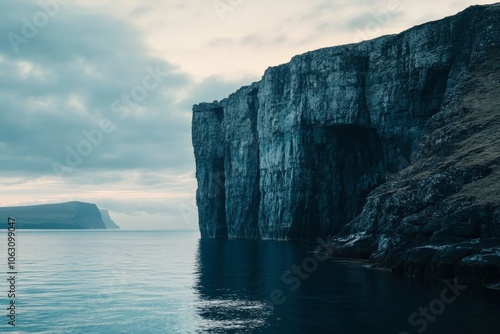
x=391, y=145
x=440, y=217
x=106, y=219
x=70, y=215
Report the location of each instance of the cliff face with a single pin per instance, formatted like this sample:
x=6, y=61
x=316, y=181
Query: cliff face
x=440, y=217
x=70, y=215
x=357, y=141
x=108, y=222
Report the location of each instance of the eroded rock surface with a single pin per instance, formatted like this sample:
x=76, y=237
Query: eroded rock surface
x=391, y=146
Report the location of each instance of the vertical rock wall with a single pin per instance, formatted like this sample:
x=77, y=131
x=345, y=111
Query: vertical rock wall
x=295, y=155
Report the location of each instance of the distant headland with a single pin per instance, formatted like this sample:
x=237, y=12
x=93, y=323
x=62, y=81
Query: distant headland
x=69, y=215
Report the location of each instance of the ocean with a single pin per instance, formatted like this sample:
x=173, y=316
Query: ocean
x=172, y=282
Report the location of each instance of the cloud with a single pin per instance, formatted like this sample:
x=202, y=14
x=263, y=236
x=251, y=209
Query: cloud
x=64, y=82
x=214, y=88
x=378, y=18
x=82, y=73
x=221, y=42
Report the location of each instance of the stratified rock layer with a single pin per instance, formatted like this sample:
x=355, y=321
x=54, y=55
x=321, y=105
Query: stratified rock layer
x=387, y=144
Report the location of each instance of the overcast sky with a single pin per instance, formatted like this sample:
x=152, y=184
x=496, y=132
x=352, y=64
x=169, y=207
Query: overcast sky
x=96, y=95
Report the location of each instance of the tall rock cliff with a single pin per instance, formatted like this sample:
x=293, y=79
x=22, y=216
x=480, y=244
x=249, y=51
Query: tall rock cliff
x=384, y=144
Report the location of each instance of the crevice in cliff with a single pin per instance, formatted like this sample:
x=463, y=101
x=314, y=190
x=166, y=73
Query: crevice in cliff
x=242, y=173
x=343, y=163
x=431, y=95
x=219, y=114
x=363, y=116
x=218, y=192
x=253, y=231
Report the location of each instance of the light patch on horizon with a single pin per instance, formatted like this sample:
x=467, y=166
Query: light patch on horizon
x=165, y=200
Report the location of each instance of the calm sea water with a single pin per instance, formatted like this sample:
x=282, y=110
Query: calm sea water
x=172, y=282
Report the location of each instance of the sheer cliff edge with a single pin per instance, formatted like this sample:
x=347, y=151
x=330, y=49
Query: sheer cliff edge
x=389, y=149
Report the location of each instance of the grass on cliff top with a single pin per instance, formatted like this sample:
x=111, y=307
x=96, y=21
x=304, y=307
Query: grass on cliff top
x=482, y=146
x=478, y=133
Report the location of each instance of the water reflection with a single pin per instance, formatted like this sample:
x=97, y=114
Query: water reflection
x=230, y=287
x=236, y=280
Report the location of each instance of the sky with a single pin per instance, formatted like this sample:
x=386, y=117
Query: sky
x=96, y=95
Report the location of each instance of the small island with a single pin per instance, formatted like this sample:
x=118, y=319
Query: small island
x=69, y=215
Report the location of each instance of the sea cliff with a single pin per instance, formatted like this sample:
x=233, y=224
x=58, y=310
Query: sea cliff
x=389, y=148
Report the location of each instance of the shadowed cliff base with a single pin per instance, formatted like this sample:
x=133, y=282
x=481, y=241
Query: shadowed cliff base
x=389, y=145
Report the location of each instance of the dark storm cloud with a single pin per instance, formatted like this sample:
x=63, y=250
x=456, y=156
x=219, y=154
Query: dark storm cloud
x=74, y=74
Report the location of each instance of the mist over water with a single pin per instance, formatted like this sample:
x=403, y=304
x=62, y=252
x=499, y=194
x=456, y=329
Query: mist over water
x=172, y=282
